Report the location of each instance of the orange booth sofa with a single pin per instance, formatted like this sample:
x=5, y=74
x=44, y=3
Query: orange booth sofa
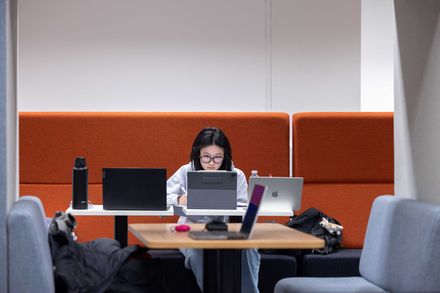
x=49, y=143
x=346, y=160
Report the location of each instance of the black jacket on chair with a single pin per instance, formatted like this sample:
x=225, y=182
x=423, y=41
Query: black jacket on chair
x=101, y=266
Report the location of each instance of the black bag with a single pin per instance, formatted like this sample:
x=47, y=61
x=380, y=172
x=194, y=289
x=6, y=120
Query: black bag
x=309, y=222
x=99, y=265
x=63, y=222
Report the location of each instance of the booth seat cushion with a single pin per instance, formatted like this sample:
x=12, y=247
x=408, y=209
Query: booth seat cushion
x=180, y=279
x=177, y=278
x=274, y=268
x=342, y=263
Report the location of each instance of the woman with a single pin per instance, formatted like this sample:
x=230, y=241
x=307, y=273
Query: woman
x=211, y=151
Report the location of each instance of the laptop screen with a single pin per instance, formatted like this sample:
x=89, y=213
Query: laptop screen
x=253, y=207
x=134, y=188
x=281, y=193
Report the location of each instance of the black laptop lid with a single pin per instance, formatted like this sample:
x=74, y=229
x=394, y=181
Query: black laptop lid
x=134, y=189
x=212, y=190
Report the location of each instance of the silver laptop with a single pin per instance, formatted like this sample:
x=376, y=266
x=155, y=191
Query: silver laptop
x=248, y=222
x=282, y=192
x=212, y=190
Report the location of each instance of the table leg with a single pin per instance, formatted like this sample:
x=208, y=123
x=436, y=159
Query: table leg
x=121, y=231
x=222, y=271
x=235, y=219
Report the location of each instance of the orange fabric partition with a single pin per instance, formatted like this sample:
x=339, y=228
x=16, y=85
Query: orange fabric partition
x=49, y=142
x=343, y=147
x=349, y=203
x=346, y=159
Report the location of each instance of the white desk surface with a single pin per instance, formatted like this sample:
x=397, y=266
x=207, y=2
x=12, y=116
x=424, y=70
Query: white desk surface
x=239, y=211
x=288, y=213
x=98, y=210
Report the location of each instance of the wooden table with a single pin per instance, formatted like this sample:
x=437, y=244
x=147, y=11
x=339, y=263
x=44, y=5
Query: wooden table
x=223, y=257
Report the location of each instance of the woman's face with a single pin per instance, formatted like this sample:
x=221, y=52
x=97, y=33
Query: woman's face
x=211, y=157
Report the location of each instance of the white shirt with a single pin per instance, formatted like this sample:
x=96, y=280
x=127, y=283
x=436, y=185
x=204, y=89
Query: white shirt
x=178, y=185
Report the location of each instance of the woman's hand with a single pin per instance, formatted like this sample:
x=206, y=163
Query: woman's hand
x=182, y=200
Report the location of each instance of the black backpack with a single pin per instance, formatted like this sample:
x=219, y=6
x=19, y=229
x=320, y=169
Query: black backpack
x=309, y=222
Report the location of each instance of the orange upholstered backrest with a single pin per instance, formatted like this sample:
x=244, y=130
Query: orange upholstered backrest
x=343, y=147
x=346, y=160
x=49, y=142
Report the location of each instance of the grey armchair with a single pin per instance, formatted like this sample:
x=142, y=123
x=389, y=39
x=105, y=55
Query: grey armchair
x=401, y=252
x=29, y=257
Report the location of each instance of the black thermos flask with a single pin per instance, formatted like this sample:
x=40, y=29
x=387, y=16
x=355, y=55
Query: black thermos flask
x=80, y=184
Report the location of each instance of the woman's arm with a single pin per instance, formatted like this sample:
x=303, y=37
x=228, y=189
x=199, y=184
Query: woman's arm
x=176, y=185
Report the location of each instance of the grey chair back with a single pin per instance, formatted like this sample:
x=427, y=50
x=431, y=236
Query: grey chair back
x=402, y=246
x=414, y=259
x=373, y=264
x=29, y=258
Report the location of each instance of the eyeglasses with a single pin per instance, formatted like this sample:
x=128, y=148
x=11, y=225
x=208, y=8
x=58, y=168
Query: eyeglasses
x=207, y=159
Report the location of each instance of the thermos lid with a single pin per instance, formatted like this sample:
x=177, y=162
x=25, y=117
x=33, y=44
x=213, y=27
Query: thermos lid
x=80, y=162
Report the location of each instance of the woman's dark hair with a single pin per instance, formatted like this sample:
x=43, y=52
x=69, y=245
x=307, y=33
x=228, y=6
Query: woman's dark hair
x=211, y=136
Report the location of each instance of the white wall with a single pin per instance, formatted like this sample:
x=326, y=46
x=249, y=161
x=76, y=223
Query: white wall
x=417, y=139
x=149, y=55
x=316, y=55
x=377, y=58
x=189, y=55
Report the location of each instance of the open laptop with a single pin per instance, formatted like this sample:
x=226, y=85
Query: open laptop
x=212, y=190
x=282, y=192
x=134, y=189
x=248, y=222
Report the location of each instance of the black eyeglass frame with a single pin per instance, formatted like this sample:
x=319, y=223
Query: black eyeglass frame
x=216, y=159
